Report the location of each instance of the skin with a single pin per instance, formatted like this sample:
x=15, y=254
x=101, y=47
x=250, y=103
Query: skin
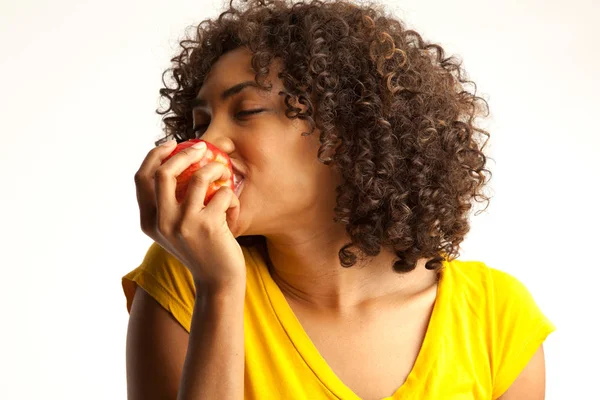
x=289, y=198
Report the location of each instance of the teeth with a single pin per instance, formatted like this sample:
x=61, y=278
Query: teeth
x=237, y=179
x=237, y=186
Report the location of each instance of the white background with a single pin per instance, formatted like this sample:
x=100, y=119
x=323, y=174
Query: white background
x=80, y=83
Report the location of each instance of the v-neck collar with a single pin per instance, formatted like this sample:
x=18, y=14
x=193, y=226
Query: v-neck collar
x=315, y=361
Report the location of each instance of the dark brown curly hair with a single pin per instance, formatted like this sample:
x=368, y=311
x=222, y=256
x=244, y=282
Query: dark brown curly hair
x=392, y=109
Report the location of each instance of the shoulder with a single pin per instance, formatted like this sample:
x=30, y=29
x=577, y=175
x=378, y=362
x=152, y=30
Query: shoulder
x=165, y=279
x=512, y=323
x=470, y=277
x=476, y=278
x=503, y=297
x=162, y=268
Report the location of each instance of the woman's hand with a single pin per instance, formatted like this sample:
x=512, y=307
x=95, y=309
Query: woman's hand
x=197, y=235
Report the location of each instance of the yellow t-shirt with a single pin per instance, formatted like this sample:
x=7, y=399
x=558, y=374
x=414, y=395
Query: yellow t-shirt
x=484, y=328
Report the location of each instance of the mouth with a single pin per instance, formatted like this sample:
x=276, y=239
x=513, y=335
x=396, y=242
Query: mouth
x=238, y=177
x=238, y=183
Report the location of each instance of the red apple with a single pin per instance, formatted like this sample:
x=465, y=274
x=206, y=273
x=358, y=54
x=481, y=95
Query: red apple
x=212, y=154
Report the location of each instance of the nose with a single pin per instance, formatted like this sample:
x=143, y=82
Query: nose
x=219, y=138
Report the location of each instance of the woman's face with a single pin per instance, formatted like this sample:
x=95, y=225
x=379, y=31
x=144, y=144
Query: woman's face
x=285, y=186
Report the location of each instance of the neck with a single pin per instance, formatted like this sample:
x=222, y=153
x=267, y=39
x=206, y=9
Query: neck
x=310, y=273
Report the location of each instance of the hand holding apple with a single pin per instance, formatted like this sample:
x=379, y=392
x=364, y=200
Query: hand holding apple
x=213, y=154
x=199, y=227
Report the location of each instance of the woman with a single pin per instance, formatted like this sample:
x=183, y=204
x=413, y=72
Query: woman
x=333, y=273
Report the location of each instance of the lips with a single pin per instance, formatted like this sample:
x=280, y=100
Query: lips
x=238, y=185
x=238, y=180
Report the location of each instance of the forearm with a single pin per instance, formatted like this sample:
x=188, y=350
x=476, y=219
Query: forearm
x=214, y=362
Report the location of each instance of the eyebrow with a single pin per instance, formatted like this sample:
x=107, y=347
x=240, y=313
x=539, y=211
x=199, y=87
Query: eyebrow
x=232, y=91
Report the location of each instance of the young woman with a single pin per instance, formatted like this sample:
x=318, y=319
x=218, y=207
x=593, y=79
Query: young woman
x=332, y=272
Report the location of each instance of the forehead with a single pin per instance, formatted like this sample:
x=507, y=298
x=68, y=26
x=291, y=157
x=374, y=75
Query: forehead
x=234, y=67
x=236, y=62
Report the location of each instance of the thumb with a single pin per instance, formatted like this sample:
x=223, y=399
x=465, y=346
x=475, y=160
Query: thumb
x=224, y=207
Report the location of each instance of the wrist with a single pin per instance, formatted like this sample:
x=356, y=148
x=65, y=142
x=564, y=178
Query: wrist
x=233, y=287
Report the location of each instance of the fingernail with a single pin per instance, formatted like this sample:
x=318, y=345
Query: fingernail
x=169, y=142
x=200, y=145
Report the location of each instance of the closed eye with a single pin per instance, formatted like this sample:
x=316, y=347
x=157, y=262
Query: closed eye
x=241, y=113
x=248, y=112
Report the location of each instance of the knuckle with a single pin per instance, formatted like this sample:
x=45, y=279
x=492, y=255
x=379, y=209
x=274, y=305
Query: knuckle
x=147, y=228
x=138, y=178
x=183, y=232
x=198, y=179
x=148, y=220
x=202, y=227
x=161, y=174
x=163, y=227
x=185, y=151
x=192, y=229
x=207, y=228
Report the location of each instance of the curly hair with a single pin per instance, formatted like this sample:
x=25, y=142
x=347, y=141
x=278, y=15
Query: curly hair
x=392, y=110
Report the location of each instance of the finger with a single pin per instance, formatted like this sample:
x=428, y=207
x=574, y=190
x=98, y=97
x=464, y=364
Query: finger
x=233, y=213
x=144, y=184
x=224, y=207
x=166, y=177
x=198, y=186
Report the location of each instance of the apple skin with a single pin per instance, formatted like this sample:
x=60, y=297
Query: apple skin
x=212, y=154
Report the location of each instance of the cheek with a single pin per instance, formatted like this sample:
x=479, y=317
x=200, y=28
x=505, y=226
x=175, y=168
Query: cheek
x=285, y=164
x=285, y=182
x=302, y=186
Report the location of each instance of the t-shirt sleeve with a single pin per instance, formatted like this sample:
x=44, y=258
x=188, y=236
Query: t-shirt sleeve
x=167, y=280
x=520, y=329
